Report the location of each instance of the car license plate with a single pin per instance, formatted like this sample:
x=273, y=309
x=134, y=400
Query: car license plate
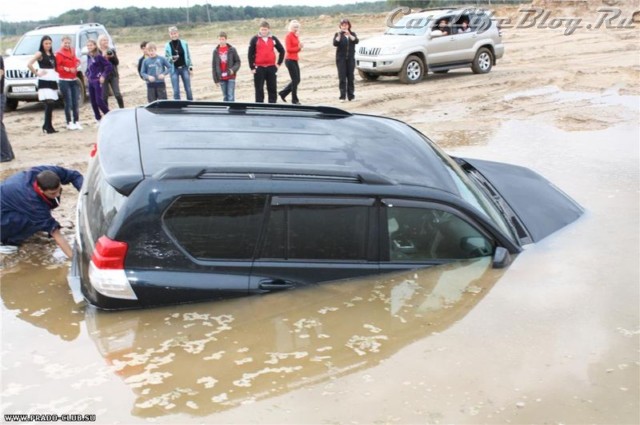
x=366, y=64
x=23, y=89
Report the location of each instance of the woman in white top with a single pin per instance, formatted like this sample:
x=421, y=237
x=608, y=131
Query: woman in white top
x=47, y=80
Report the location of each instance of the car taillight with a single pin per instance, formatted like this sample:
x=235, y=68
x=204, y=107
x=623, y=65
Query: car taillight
x=109, y=254
x=94, y=150
x=106, y=269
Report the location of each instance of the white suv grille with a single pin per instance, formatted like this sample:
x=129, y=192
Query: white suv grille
x=371, y=51
x=14, y=74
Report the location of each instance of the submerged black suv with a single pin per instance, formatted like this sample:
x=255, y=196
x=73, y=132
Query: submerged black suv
x=187, y=201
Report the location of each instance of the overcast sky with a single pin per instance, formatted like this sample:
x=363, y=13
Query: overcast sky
x=25, y=10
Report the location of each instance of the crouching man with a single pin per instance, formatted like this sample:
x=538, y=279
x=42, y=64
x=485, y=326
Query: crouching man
x=26, y=201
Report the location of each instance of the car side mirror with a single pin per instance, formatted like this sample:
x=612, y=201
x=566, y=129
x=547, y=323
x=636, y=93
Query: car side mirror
x=84, y=51
x=501, y=258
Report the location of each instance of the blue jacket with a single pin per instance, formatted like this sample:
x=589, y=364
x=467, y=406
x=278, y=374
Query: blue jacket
x=22, y=211
x=152, y=67
x=187, y=55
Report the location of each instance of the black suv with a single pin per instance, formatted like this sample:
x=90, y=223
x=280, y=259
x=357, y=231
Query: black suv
x=187, y=201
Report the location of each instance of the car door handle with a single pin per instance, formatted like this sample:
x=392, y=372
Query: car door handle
x=275, y=284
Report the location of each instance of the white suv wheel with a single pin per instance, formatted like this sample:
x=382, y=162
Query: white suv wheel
x=412, y=70
x=483, y=61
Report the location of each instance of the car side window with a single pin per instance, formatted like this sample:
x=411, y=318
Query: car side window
x=305, y=230
x=479, y=22
x=217, y=226
x=425, y=234
x=84, y=37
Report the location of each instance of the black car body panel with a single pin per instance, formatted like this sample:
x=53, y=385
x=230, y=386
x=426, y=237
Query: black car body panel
x=189, y=201
x=539, y=204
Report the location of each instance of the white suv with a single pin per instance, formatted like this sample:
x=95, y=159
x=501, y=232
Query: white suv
x=415, y=44
x=20, y=83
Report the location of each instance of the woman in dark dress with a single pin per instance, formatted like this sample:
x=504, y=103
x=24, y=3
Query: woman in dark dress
x=47, y=80
x=345, y=42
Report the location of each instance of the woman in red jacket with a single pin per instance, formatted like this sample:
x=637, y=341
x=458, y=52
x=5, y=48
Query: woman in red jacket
x=293, y=45
x=67, y=66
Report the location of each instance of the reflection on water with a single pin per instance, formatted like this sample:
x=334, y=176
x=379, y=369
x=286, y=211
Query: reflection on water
x=204, y=358
x=40, y=294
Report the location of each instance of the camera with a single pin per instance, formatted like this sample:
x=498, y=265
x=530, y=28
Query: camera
x=109, y=52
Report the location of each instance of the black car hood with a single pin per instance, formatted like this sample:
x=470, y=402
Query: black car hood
x=541, y=207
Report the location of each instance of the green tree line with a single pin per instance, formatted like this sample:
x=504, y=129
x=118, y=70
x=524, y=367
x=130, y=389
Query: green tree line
x=136, y=16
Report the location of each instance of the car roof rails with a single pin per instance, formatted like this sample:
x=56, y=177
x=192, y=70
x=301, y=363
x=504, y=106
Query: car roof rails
x=39, y=27
x=272, y=173
x=84, y=25
x=162, y=106
x=457, y=7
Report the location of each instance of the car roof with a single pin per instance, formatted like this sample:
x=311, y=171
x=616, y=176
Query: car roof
x=61, y=29
x=174, y=139
x=435, y=13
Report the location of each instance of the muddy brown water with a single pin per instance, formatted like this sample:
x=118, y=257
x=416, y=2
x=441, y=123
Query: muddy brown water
x=554, y=338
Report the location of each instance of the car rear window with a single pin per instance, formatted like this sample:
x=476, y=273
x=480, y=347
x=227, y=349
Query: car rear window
x=217, y=226
x=103, y=202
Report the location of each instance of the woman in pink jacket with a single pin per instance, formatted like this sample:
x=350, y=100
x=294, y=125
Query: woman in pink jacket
x=67, y=66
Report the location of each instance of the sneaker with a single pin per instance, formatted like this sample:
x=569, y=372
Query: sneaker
x=71, y=126
x=353, y=99
x=78, y=126
x=343, y=100
x=284, y=99
x=8, y=249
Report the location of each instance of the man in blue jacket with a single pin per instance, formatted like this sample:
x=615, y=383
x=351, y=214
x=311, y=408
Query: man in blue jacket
x=26, y=201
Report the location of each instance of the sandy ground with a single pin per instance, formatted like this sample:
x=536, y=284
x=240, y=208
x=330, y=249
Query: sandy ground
x=555, y=341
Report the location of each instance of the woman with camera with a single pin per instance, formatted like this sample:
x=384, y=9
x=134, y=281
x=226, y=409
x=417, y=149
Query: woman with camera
x=114, y=79
x=345, y=42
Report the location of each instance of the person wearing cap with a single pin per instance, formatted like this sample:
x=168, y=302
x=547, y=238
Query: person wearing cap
x=262, y=61
x=26, y=201
x=225, y=64
x=177, y=53
x=345, y=42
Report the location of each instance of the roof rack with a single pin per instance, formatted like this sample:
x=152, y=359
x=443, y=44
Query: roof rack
x=242, y=108
x=84, y=25
x=272, y=173
x=39, y=27
x=453, y=7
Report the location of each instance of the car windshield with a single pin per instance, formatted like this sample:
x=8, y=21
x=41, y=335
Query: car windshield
x=29, y=44
x=473, y=195
x=409, y=26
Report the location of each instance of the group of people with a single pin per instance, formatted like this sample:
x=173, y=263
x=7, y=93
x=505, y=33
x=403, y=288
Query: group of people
x=59, y=70
x=266, y=54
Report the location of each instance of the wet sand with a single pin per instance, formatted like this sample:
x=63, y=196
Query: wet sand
x=555, y=338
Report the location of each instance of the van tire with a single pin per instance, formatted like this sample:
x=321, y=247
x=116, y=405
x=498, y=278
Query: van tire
x=483, y=61
x=11, y=105
x=367, y=76
x=412, y=70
